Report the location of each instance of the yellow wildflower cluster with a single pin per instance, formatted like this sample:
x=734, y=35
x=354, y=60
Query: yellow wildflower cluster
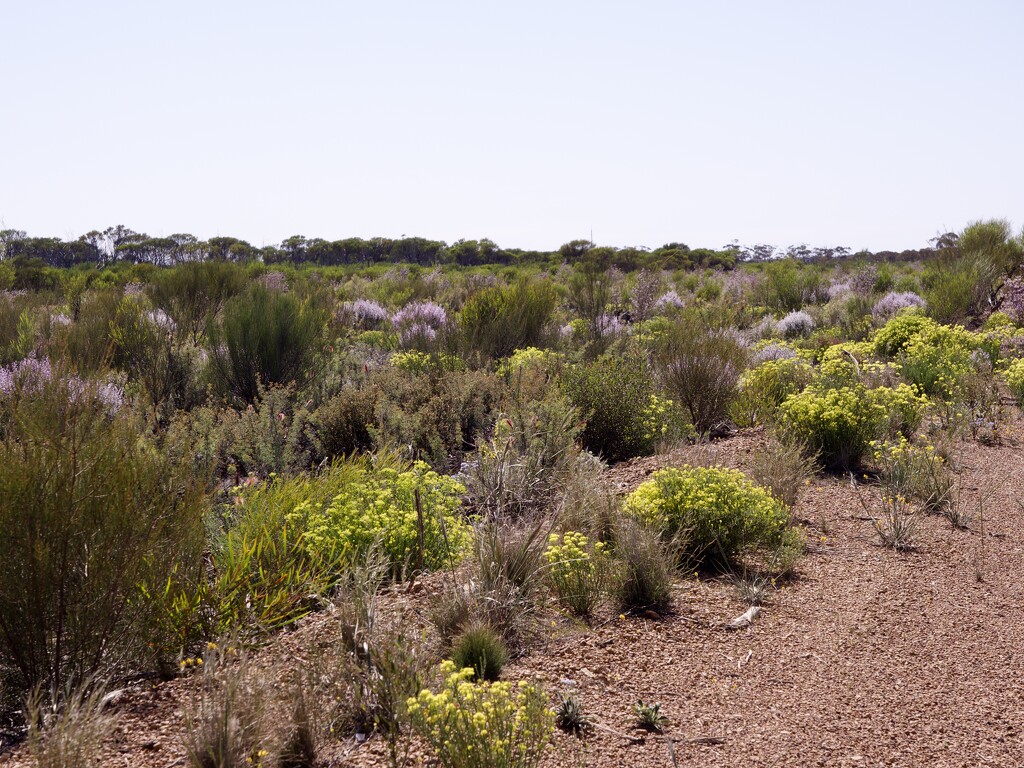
x=656, y=417
x=916, y=471
x=483, y=725
x=528, y=357
x=1014, y=377
x=420, y=362
x=576, y=570
x=380, y=506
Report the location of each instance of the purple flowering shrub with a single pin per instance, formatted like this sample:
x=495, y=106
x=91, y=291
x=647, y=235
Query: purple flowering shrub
x=364, y=313
x=31, y=377
x=419, y=322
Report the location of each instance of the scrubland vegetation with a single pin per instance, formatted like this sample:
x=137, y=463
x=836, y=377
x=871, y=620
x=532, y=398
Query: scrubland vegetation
x=201, y=444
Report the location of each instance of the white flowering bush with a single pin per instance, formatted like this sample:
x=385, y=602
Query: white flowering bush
x=483, y=725
x=795, y=324
x=895, y=302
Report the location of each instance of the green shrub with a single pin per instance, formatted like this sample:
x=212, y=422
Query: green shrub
x=614, y=394
x=527, y=458
x=146, y=351
x=576, y=571
x=481, y=649
x=272, y=435
x=715, y=513
x=342, y=425
x=787, y=285
x=438, y=414
x=496, y=321
x=94, y=521
x=265, y=337
x=957, y=289
x=992, y=241
x=87, y=339
x=192, y=294
x=483, y=725
x=700, y=368
x=837, y=425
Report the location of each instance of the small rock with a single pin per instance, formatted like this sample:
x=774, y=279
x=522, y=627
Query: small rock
x=745, y=619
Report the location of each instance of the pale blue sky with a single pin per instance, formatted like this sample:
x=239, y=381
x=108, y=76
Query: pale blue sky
x=867, y=124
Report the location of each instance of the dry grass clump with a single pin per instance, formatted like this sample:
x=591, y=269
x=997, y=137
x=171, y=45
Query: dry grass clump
x=783, y=466
x=68, y=731
x=644, y=570
x=228, y=718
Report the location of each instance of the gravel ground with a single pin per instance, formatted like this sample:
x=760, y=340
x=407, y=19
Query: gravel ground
x=867, y=658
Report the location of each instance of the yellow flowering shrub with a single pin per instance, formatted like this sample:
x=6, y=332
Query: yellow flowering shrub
x=529, y=357
x=380, y=506
x=483, y=725
x=658, y=417
x=576, y=570
x=1014, y=377
x=938, y=362
x=892, y=338
x=839, y=424
x=935, y=358
x=417, y=362
x=717, y=512
x=764, y=387
x=915, y=471
x=848, y=363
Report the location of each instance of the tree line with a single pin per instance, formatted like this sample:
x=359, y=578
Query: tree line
x=120, y=244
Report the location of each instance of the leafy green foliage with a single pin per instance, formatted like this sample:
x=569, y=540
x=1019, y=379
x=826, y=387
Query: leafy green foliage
x=649, y=716
x=614, y=394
